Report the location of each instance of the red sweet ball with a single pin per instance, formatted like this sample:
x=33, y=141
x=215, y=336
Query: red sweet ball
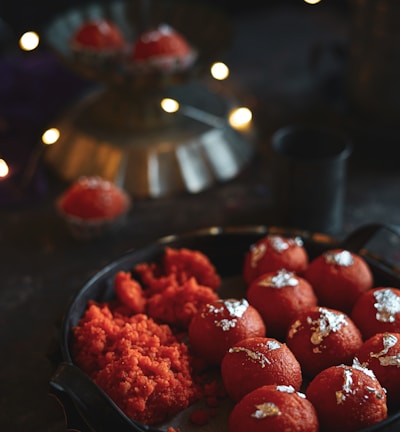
x=279, y=297
x=93, y=198
x=322, y=337
x=274, y=409
x=98, y=34
x=381, y=354
x=347, y=398
x=377, y=311
x=160, y=42
x=274, y=252
x=258, y=361
x=338, y=278
x=220, y=324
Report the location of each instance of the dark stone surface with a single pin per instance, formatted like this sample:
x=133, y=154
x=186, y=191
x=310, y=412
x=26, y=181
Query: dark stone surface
x=41, y=265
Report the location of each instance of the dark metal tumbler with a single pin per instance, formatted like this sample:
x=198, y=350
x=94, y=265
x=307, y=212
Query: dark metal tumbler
x=310, y=171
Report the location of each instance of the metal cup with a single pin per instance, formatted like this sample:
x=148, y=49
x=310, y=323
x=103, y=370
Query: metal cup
x=309, y=177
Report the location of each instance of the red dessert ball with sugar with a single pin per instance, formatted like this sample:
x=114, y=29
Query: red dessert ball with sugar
x=338, y=278
x=347, y=398
x=323, y=337
x=163, y=41
x=377, y=311
x=258, y=361
x=93, y=198
x=280, y=296
x=97, y=35
x=274, y=252
x=274, y=409
x=381, y=354
x=220, y=324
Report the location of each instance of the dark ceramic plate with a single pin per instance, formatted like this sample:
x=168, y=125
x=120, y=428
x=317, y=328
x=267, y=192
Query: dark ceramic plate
x=89, y=409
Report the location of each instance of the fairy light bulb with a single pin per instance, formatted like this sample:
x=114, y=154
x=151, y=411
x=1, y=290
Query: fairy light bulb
x=50, y=136
x=219, y=71
x=170, y=105
x=29, y=41
x=240, y=118
x=4, y=170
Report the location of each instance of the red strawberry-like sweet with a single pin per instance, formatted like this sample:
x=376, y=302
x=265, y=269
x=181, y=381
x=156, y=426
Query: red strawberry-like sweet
x=94, y=198
x=160, y=42
x=98, y=35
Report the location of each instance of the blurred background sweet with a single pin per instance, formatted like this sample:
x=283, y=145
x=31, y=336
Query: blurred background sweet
x=288, y=61
x=38, y=64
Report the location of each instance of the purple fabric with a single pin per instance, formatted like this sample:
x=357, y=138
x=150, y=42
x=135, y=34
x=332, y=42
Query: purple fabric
x=34, y=89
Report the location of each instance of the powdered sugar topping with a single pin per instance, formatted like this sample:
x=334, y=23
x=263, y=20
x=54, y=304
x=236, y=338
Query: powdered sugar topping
x=290, y=389
x=327, y=322
x=277, y=243
x=343, y=258
x=257, y=355
x=388, y=341
x=254, y=355
x=387, y=305
x=235, y=309
x=283, y=278
x=346, y=389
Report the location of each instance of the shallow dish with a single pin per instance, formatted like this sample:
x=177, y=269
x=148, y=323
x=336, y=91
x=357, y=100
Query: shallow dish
x=89, y=409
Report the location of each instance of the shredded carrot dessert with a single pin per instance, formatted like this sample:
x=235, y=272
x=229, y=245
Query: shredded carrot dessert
x=171, y=291
x=138, y=363
x=178, y=265
x=128, y=347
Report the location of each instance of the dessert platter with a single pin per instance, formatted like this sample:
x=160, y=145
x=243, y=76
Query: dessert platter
x=186, y=293
x=137, y=53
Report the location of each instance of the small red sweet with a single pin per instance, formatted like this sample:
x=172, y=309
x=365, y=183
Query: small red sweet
x=381, y=354
x=98, y=34
x=160, y=42
x=93, y=198
x=274, y=252
x=339, y=277
x=258, y=361
x=322, y=337
x=220, y=324
x=279, y=297
x=347, y=398
x=274, y=408
x=377, y=311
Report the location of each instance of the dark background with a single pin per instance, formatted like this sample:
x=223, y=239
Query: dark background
x=30, y=15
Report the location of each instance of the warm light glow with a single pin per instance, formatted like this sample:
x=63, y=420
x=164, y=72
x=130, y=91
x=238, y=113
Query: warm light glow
x=312, y=2
x=170, y=105
x=4, y=170
x=219, y=71
x=29, y=41
x=50, y=136
x=240, y=118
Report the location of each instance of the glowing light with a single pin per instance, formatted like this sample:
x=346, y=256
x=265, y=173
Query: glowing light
x=4, y=170
x=170, y=105
x=219, y=71
x=29, y=41
x=240, y=118
x=50, y=136
x=312, y=2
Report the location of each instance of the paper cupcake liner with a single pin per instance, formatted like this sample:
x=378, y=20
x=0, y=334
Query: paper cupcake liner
x=86, y=229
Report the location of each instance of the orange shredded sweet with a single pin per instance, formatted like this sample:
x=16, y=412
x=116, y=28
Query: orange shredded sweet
x=177, y=304
x=138, y=363
x=128, y=347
